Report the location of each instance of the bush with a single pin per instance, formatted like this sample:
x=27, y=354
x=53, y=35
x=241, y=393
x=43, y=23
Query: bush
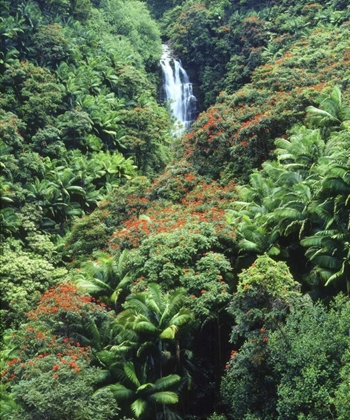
x=24, y=276
x=58, y=388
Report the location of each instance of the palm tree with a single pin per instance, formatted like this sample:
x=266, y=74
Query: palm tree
x=45, y=196
x=8, y=58
x=103, y=110
x=306, y=192
x=328, y=247
x=293, y=215
x=57, y=193
x=88, y=172
x=31, y=13
x=152, y=323
x=256, y=232
x=332, y=114
x=280, y=198
x=301, y=151
x=107, y=277
x=329, y=250
x=6, y=193
x=143, y=399
x=9, y=222
x=113, y=167
x=10, y=28
x=65, y=182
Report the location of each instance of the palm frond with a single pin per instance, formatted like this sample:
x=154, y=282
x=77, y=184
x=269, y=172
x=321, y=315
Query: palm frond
x=105, y=357
x=311, y=241
x=125, y=281
x=136, y=302
x=336, y=186
x=295, y=225
x=93, y=333
x=91, y=285
x=154, y=293
x=138, y=407
x=273, y=251
x=130, y=372
x=164, y=398
x=288, y=213
x=322, y=114
x=142, y=324
x=167, y=382
x=147, y=346
x=115, y=295
x=182, y=317
x=169, y=332
x=145, y=389
x=246, y=245
x=120, y=392
x=325, y=261
x=339, y=275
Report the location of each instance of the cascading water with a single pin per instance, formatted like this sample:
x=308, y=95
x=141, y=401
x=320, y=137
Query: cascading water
x=178, y=90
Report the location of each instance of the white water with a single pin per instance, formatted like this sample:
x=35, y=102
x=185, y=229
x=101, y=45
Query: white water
x=178, y=91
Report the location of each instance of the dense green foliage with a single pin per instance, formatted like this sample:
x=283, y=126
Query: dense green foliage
x=157, y=278
x=226, y=41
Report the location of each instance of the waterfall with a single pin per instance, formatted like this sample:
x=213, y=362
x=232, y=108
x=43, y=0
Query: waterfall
x=178, y=91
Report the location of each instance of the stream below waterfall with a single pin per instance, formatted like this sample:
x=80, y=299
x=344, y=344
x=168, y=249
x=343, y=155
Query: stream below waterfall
x=178, y=91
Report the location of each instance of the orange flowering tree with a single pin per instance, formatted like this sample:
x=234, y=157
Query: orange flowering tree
x=179, y=199
x=91, y=232
x=236, y=133
x=70, y=314
x=52, y=369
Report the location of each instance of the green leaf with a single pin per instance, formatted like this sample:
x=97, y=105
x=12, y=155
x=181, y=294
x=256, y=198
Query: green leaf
x=167, y=381
x=164, y=397
x=181, y=318
x=115, y=295
x=169, y=333
x=248, y=245
x=139, y=407
x=144, y=326
x=91, y=285
x=119, y=391
x=93, y=333
x=129, y=370
x=273, y=251
x=321, y=112
x=325, y=261
x=144, y=386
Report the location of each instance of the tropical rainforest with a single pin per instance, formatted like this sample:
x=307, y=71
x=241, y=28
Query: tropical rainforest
x=151, y=276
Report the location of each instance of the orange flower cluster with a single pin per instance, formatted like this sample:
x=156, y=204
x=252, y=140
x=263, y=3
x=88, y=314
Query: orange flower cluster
x=233, y=354
x=62, y=299
x=204, y=203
